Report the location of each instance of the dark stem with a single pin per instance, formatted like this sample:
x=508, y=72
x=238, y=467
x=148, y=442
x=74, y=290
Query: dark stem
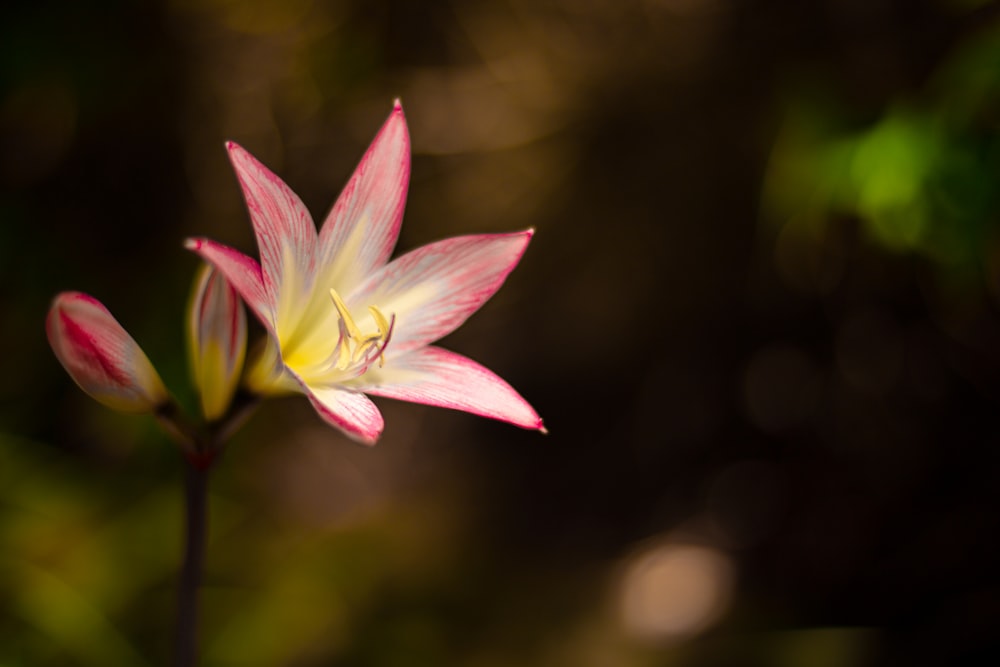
x=201, y=450
x=196, y=492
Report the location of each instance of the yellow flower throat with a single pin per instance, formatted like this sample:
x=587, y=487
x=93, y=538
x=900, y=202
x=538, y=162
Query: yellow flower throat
x=308, y=352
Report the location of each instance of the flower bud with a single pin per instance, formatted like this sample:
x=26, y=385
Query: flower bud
x=101, y=356
x=217, y=340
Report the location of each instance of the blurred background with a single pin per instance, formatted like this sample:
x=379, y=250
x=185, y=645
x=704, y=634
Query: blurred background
x=759, y=317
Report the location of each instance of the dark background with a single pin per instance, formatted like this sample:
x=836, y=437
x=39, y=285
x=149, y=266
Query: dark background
x=759, y=318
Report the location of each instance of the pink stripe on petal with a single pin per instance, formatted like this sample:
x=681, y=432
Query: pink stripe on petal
x=434, y=376
x=242, y=272
x=434, y=289
x=361, y=230
x=284, y=229
x=351, y=412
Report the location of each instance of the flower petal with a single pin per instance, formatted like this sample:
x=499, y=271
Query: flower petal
x=435, y=288
x=242, y=272
x=361, y=230
x=286, y=236
x=101, y=356
x=350, y=411
x=434, y=376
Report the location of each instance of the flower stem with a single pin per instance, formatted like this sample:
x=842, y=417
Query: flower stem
x=196, y=521
x=201, y=450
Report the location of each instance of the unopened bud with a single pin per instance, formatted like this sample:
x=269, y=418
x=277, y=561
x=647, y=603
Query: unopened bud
x=101, y=356
x=217, y=340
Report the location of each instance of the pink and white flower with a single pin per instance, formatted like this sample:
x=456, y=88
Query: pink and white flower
x=342, y=320
x=101, y=356
x=217, y=341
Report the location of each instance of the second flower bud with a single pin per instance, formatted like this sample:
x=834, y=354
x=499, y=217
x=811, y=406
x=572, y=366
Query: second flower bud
x=217, y=339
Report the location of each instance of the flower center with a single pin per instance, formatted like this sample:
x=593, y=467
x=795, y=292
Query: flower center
x=356, y=351
x=308, y=352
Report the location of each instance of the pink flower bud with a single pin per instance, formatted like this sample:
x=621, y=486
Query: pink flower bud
x=101, y=356
x=217, y=340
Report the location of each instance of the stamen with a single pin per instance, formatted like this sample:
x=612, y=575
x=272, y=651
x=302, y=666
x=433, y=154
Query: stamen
x=345, y=315
x=383, y=325
x=387, y=337
x=354, y=351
